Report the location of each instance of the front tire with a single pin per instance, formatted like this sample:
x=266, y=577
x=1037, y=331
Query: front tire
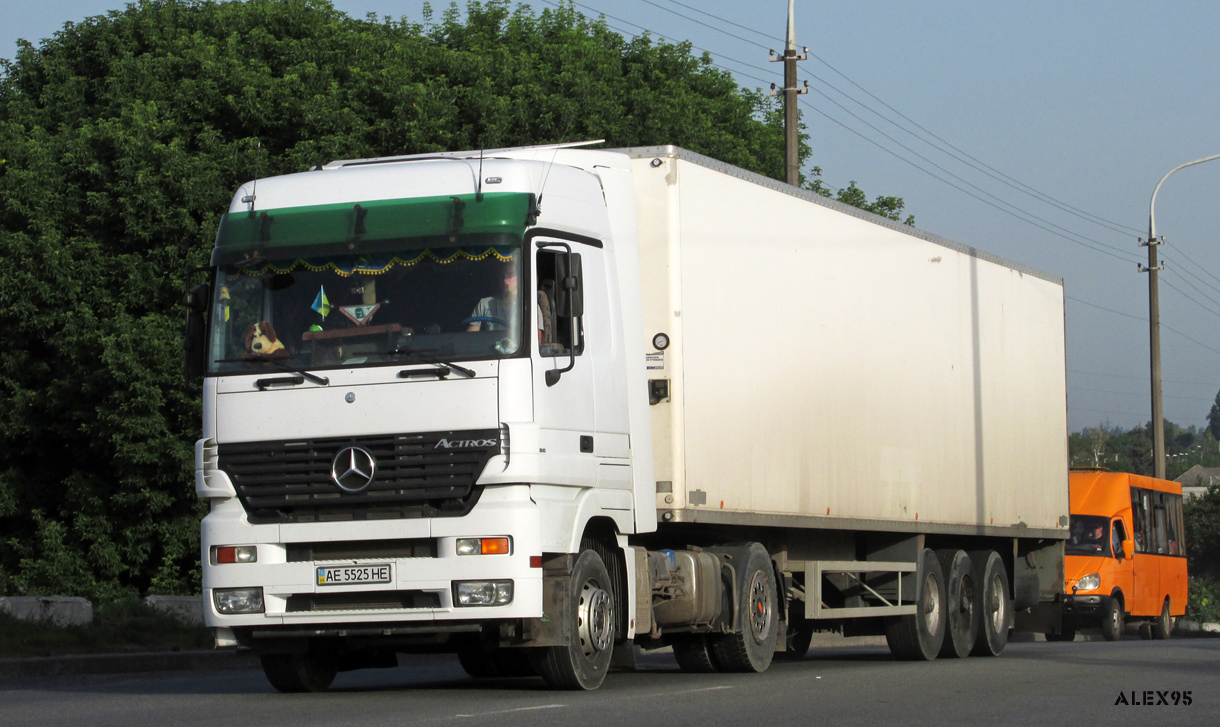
x=918, y=637
x=1112, y=623
x=298, y=672
x=582, y=664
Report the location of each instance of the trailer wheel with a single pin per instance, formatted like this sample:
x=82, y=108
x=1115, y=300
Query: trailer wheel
x=961, y=625
x=918, y=637
x=1163, y=626
x=583, y=662
x=753, y=647
x=993, y=603
x=1112, y=623
x=298, y=672
x=694, y=654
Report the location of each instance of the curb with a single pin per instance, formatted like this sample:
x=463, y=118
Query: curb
x=51, y=666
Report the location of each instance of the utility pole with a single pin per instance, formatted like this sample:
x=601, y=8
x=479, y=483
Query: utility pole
x=791, y=91
x=1154, y=323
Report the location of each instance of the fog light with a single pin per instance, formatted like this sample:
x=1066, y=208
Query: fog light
x=484, y=593
x=238, y=600
x=235, y=554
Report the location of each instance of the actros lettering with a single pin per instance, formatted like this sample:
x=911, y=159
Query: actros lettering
x=463, y=443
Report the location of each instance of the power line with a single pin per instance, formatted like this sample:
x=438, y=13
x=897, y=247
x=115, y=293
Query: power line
x=973, y=162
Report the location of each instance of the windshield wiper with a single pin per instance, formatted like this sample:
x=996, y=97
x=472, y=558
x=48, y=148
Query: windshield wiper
x=441, y=371
x=320, y=380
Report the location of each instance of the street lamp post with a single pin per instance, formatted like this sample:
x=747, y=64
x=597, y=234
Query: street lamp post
x=1154, y=324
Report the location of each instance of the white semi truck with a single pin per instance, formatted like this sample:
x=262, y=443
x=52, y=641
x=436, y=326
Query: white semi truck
x=541, y=406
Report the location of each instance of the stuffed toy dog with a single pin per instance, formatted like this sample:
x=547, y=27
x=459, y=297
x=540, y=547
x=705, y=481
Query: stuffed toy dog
x=262, y=343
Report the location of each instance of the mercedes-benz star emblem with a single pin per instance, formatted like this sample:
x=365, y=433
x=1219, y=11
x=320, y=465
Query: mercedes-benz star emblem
x=353, y=469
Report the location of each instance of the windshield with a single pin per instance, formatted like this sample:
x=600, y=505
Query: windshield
x=446, y=298
x=1088, y=535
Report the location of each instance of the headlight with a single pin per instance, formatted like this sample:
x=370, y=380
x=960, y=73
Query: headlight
x=234, y=554
x=484, y=593
x=483, y=546
x=1090, y=582
x=238, y=600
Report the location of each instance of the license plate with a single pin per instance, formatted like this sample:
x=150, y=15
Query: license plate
x=342, y=575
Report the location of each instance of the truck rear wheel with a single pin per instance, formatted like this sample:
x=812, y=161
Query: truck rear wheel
x=918, y=637
x=753, y=646
x=583, y=662
x=694, y=654
x=961, y=625
x=298, y=672
x=993, y=602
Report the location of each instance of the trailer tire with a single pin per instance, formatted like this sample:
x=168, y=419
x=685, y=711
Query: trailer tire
x=298, y=672
x=1163, y=625
x=582, y=663
x=1113, y=623
x=961, y=614
x=994, y=601
x=753, y=646
x=919, y=636
x=694, y=654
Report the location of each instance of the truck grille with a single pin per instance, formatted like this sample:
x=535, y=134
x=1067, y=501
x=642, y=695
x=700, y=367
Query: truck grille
x=415, y=475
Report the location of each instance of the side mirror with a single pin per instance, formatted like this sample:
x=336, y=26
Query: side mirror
x=569, y=288
x=1128, y=547
x=194, y=341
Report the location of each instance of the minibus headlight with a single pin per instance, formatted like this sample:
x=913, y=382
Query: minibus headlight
x=1090, y=582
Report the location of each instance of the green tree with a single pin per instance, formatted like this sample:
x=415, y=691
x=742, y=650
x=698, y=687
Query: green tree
x=1213, y=418
x=1202, y=515
x=121, y=141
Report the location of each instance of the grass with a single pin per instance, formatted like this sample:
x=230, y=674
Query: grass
x=126, y=626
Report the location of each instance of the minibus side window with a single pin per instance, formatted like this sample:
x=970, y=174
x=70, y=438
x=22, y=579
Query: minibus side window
x=1173, y=507
x=1160, y=528
x=1138, y=519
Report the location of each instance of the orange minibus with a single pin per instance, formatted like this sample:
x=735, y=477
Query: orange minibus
x=1124, y=558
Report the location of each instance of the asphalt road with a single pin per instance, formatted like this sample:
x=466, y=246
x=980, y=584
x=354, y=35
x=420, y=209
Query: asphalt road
x=1072, y=684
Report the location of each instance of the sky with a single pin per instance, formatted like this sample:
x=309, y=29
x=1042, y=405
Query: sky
x=1036, y=131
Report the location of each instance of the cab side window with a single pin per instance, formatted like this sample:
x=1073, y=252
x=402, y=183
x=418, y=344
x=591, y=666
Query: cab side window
x=1118, y=534
x=558, y=322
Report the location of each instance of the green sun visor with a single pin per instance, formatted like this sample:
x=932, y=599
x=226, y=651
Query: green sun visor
x=289, y=230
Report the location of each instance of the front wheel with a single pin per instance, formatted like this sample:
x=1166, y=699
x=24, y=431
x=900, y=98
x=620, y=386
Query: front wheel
x=1112, y=623
x=298, y=672
x=583, y=662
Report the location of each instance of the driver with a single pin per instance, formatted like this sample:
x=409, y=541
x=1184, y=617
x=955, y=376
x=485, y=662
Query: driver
x=494, y=312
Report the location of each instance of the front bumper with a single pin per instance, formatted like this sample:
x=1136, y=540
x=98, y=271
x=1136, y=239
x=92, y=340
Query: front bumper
x=424, y=566
x=1084, y=610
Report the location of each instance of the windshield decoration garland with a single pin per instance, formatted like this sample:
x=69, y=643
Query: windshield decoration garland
x=372, y=264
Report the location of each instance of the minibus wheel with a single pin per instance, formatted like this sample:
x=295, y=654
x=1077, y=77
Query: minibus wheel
x=1112, y=623
x=1163, y=626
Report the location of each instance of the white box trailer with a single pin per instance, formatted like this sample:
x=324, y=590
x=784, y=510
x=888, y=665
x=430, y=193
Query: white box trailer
x=698, y=409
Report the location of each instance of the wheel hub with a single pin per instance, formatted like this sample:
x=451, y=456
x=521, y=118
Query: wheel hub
x=760, y=607
x=595, y=617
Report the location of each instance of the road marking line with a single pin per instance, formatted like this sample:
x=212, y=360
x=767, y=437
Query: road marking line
x=510, y=711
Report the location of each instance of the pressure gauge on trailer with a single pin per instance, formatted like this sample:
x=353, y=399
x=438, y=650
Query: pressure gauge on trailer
x=660, y=342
